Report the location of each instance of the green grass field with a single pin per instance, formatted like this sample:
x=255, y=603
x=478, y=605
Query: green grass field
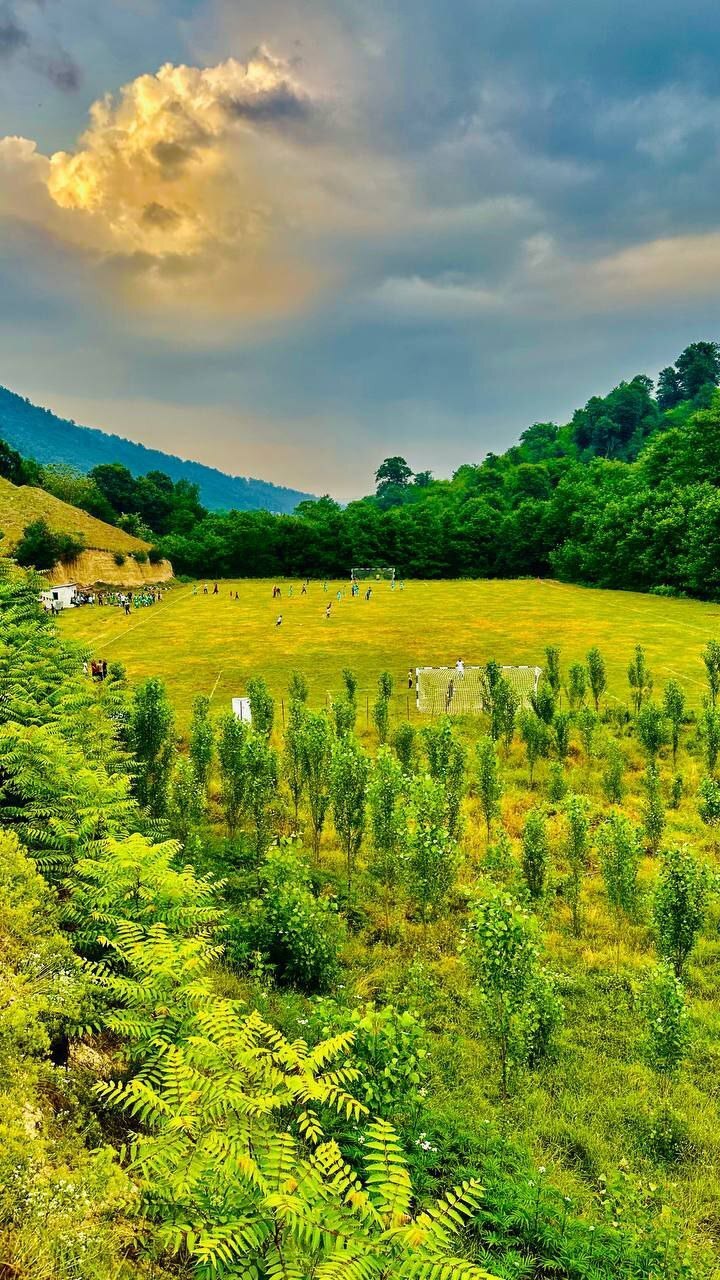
x=214, y=644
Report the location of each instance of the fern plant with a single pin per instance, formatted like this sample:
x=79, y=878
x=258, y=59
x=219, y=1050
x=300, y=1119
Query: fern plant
x=235, y=1166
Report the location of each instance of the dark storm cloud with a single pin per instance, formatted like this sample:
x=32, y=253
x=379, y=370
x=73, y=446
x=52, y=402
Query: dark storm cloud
x=24, y=29
x=282, y=105
x=588, y=108
x=12, y=35
x=60, y=69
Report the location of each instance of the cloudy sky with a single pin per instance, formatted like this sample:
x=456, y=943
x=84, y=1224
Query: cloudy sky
x=289, y=237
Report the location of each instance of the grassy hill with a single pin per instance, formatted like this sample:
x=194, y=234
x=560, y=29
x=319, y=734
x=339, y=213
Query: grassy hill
x=20, y=505
x=38, y=433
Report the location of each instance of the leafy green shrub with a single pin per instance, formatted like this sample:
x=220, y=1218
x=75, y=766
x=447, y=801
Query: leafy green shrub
x=119, y=558
x=296, y=933
x=516, y=994
x=388, y=1048
x=381, y=707
x=677, y=790
x=498, y=860
x=446, y=765
x=155, y=555
x=666, y=1017
x=262, y=706
x=403, y=742
x=557, y=783
x=535, y=853
x=680, y=905
x=140, y=556
x=42, y=548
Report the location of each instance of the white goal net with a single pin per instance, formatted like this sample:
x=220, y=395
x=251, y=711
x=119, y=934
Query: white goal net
x=451, y=691
x=377, y=574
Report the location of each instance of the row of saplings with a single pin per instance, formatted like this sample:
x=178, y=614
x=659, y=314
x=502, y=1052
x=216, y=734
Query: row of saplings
x=411, y=812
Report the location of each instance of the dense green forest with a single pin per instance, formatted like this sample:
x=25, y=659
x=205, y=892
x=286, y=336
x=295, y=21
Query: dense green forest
x=625, y=495
x=269, y=994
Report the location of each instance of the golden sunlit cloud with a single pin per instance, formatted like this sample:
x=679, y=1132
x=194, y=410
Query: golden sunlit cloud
x=193, y=184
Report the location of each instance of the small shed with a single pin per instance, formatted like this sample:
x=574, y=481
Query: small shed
x=60, y=597
x=241, y=709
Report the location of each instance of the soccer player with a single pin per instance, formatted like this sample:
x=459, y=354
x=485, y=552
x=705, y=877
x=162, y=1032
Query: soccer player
x=460, y=667
x=328, y=607
x=410, y=678
x=279, y=620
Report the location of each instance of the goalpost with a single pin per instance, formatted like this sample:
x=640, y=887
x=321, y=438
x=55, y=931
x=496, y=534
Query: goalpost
x=448, y=691
x=379, y=573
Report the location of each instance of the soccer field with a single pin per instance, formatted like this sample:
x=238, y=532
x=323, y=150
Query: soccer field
x=213, y=644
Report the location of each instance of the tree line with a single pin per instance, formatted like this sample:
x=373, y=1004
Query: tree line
x=625, y=495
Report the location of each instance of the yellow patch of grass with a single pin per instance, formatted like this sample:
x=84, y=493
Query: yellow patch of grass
x=21, y=504
x=213, y=644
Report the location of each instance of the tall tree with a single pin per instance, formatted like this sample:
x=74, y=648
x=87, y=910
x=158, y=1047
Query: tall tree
x=152, y=743
x=232, y=739
x=489, y=786
x=674, y=707
x=349, y=776
x=535, y=853
x=577, y=847
x=596, y=675
x=432, y=853
x=315, y=749
x=388, y=827
x=202, y=742
x=518, y=1005
x=680, y=906
x=639, y=679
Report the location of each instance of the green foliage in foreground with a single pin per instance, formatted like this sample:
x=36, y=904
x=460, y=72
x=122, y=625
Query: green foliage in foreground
x=244, y=1125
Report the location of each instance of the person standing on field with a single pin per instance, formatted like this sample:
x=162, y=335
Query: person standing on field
x=328, y=607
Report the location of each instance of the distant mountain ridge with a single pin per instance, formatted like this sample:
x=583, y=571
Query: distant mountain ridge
x=39, y=433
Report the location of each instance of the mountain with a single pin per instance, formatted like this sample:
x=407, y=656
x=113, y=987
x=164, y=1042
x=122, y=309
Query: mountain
x=38, y=433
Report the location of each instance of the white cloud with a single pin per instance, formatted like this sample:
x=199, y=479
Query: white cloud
x=446, y=297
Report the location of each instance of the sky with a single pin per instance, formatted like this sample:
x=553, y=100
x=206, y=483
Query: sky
x=288, y=239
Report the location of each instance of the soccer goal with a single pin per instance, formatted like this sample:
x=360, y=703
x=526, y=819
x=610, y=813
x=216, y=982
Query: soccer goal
x=449, y=691
x=378, y=574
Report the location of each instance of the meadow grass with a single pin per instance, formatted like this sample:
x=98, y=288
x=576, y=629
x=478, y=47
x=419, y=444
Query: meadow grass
x=213, y=644
x=21, y=504
x=594, y=1109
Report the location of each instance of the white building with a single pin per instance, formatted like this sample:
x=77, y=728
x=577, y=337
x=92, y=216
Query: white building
x=60, y=597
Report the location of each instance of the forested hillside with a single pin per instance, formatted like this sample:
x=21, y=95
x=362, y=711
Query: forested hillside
x=625, y=495
x=38, y=433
